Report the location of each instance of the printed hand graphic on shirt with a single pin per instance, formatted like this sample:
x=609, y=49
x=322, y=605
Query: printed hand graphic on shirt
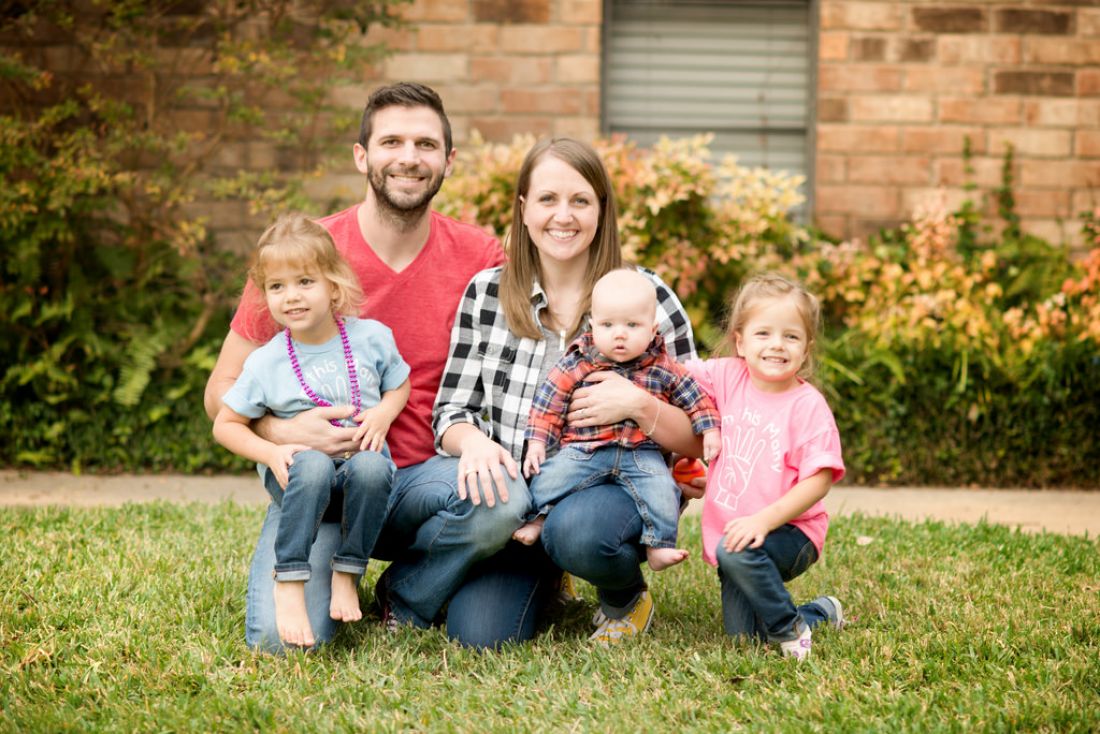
x=740, y=454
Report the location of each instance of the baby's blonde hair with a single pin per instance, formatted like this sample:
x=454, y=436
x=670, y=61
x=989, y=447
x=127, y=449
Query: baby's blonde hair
x=296, y=239
x=770, y=286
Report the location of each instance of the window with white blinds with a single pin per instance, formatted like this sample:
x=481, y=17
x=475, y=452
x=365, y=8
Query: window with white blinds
x=742, y=70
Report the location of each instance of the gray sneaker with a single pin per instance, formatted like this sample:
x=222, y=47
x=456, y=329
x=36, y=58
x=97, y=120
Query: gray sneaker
x=832, y=608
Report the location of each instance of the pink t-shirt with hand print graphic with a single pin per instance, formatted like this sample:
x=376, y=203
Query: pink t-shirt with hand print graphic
x=770, y=442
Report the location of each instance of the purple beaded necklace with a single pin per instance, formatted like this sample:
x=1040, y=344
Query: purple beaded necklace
x=353, y=376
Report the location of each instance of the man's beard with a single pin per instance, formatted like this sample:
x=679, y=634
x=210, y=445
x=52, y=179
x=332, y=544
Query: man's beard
x=398, y=206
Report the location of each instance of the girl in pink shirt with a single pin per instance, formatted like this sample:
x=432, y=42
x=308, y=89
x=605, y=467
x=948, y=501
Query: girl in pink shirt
x=763, y=519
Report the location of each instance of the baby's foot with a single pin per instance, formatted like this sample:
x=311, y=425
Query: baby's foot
x=529, y=533
x=344, y=606
x=661, y=558
x=291, y=617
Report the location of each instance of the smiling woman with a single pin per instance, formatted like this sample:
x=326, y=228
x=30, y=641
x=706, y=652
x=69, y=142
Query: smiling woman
x=560, y=212
x=513, y=324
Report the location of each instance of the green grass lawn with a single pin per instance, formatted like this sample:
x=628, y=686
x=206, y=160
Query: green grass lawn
x=131, y=620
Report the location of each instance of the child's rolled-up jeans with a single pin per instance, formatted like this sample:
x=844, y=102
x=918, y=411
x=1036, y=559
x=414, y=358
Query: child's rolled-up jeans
x=362, y=481
x=755, y=601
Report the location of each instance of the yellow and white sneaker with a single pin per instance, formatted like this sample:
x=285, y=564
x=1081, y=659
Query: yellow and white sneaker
x=633, y=623
x=567, y=589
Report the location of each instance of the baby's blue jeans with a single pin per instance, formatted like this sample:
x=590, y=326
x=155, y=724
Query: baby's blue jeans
x=640, y=472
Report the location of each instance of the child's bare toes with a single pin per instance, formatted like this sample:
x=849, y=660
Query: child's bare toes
x=528, y=534
x=344, y=606
x=291, y=617
x=661, y=558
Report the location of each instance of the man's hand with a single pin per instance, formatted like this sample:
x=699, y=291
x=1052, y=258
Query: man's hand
x=312, y=428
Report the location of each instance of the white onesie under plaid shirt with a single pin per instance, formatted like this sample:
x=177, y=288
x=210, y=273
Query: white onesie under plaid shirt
x=492, y=375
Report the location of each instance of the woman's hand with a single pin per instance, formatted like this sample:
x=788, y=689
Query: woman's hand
x=690, y=476
x=479, y=469
x=611, y=399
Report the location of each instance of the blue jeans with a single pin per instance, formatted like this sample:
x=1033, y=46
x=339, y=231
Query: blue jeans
x=755, y=603
x=592, y=534
x=315, y=481
x=432, y=537
x=641, y=473
x=503, y=597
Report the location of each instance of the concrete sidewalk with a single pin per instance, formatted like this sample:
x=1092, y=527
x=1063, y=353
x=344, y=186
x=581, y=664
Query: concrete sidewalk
x=1060, y=511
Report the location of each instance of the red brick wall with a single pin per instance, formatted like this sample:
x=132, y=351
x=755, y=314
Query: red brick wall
x=902, y=83
x=504, y=67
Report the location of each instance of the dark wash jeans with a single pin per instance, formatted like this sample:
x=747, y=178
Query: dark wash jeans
x=755, y=602
x=592, y=534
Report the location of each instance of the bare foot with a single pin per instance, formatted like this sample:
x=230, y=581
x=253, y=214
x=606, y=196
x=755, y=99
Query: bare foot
x=345, y=597
x=661, y=558
x=291, y=616
x=529, y=533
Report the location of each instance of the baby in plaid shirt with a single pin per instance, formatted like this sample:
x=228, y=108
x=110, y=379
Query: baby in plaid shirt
x=622, y=337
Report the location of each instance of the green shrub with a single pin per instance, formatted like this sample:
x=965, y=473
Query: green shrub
x=113, y=294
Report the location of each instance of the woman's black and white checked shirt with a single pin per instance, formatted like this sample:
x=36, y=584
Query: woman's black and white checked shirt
x=492, y=375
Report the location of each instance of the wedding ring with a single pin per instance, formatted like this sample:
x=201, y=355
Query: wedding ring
x=468, y=472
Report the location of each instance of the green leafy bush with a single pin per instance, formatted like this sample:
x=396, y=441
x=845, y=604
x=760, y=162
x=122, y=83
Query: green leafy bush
x=956, y=352
x=114, y=294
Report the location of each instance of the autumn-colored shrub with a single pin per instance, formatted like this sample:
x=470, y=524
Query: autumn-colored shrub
x=697, y=224
x=944, y=369
x=951, y=355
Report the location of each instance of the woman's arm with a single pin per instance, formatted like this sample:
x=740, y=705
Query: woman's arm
x=461, y=395
x=460, y=428
x=613, y=398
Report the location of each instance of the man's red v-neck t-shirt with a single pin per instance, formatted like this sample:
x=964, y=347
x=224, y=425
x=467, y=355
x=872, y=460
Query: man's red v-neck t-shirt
x=418, y=304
